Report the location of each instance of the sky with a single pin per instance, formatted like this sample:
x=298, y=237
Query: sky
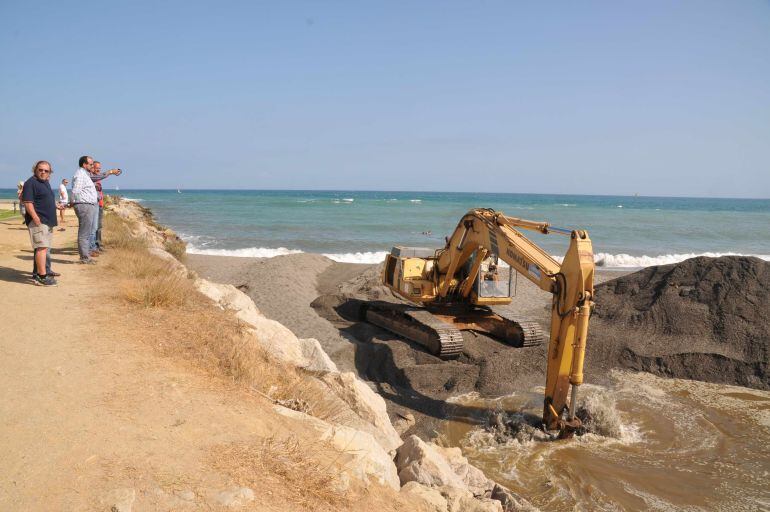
x=616, y=97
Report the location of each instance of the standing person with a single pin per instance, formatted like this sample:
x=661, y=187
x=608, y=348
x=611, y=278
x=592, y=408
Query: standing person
x=22, y=210
x=63, y=200
x=84, y=202
x=40, y=218
x=97, y=177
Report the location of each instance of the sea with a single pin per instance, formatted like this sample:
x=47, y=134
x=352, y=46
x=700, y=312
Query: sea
x=361, y=226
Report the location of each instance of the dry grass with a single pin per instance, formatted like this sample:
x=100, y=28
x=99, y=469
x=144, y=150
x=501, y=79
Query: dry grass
x=183, y=321
x=117, y=234
x=302, y=479
x=179, y=321
x=162, y=291
x=176, y=247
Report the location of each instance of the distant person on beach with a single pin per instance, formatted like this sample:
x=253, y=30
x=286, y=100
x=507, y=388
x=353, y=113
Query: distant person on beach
x=63, y=200
x=97, y=177
x=40, y=217
x=22, y=209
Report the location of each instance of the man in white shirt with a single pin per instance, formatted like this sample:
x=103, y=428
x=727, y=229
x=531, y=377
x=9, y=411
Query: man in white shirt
x=84, y=201
x=63, y=200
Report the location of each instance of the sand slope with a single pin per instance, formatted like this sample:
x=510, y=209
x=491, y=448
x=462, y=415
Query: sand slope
x=704, y=319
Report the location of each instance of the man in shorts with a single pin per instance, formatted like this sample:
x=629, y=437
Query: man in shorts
x=40, y=217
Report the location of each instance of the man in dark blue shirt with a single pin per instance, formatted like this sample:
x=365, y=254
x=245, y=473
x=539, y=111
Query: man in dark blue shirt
x=40, y=203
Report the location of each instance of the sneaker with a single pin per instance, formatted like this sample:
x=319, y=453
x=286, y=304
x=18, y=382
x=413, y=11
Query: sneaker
x=88, y=262
x=54, y=274
x=45, y=281
x=95, y=254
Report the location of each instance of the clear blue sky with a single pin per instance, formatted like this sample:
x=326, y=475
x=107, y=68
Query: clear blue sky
x=615, y=97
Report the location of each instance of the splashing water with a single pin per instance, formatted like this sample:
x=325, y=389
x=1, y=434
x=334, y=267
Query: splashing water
x=648, y=443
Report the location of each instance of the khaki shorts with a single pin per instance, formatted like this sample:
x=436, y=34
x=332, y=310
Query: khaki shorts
x=40, y=236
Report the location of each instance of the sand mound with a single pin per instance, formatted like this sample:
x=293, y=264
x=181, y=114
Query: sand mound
x=704, y=319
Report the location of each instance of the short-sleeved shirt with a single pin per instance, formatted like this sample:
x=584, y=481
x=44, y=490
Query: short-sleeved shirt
x=39, y=193
x=63, y=196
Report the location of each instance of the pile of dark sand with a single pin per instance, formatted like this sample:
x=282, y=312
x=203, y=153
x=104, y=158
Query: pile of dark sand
x=703, y=319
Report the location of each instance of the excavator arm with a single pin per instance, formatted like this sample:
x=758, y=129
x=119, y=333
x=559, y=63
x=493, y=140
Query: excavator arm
x=483, y=231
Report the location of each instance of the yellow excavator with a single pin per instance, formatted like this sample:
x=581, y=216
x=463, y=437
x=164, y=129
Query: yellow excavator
x=457, y=285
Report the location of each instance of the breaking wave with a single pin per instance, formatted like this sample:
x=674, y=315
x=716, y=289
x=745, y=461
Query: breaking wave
x=603, y=259
x=248, y=252
x=270, y=252
x=607, y=260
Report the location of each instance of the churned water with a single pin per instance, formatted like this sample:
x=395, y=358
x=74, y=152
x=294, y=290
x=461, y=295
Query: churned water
x=658, y=444
x=362, y=226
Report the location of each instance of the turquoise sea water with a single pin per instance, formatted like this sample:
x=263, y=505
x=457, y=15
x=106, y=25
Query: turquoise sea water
x=361, y=226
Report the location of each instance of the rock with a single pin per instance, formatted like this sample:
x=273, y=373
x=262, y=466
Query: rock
x=367, y=408
x=403, y=422
x=317, y=359
x=434, y=466
x=475, y=479
x=366, y=404
x=431, y=498
x=364, y=458
x=234, y=497
x=121, y=500
x=418, y=461
x=277, y=340
x=229, y=297
x=510, y=501
x=174, y=263
x=461, y=500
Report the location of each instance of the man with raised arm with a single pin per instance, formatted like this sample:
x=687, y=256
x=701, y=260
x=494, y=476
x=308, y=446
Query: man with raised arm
x=97, y=177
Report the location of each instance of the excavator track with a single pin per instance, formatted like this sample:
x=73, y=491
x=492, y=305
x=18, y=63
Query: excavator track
x=532, y=334
x=418, y=325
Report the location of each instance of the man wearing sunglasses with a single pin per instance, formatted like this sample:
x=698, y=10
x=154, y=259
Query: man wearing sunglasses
x=40, y=218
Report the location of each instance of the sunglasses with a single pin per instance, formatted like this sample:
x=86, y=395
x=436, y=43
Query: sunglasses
x=45, y=171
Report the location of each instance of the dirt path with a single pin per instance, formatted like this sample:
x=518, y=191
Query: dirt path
x=91, y=417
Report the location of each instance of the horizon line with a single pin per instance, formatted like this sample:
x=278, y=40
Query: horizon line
x=417, y=192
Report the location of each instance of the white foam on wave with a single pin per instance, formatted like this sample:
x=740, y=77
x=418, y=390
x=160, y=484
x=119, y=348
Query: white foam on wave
x=415, y=200
x=603, y=259
x=134, y=199
x=248, y=252
x=358, y=257
x=607, y=260
x=271, y=252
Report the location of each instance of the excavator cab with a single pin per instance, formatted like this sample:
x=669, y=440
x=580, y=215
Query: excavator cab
x=492, y=284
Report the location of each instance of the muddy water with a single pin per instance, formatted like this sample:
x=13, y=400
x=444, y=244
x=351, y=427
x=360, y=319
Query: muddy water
x=665, y=444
